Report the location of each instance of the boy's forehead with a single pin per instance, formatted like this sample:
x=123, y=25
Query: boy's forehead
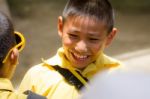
x=87, y=23
x=82, y=20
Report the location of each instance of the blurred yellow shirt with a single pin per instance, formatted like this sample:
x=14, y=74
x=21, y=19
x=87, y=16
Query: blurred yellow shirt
x=6, y=90
x=44, y=80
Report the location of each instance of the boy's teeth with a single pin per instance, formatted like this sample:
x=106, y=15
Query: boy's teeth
x=79, y=56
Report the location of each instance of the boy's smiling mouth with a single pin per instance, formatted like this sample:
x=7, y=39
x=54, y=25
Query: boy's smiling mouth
x=79, y=57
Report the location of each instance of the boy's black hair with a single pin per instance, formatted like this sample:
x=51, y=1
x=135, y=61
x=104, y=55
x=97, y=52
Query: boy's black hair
x=7, y=37
x=101, y=10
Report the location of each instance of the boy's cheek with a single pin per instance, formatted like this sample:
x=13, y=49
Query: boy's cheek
x=68, y=43
x=97, y=49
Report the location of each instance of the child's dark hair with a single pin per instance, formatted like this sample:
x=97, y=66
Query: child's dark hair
x=101, y=10
x=7, y=37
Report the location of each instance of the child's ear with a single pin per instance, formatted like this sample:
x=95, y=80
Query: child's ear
x=111, y=36
x=14, y=56
x=60, y=25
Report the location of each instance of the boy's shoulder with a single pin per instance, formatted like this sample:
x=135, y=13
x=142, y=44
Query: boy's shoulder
x=43, y=69
x=40, y=68
x=42, y=74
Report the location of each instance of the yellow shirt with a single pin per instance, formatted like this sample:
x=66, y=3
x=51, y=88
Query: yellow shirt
x=44, y=80
x=6, y=90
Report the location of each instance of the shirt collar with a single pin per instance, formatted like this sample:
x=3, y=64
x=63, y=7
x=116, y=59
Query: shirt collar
x=101, y=63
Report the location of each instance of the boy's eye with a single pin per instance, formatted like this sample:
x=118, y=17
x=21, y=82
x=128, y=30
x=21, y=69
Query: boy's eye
x=73, y=35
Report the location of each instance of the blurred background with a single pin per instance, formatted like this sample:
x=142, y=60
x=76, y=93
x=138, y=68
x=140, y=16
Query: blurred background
x=37, y=20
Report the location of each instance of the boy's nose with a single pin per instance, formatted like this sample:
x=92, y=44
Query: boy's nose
x=81, y=47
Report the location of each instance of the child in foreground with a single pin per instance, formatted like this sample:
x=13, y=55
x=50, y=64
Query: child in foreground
x=11, y=43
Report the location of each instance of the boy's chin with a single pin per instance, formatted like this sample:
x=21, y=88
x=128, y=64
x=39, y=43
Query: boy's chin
x=79, y=66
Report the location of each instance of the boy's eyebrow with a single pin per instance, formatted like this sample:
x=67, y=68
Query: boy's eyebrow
x=78, y=31
x=74, y=30
x=95, y=34
x=91, y=34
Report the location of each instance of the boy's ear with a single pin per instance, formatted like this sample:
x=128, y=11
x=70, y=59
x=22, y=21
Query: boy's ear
x=111, y=36
x=14, y=56
x=60, y=25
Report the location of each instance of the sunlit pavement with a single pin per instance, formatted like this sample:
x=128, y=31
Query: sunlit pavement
x=137, y=61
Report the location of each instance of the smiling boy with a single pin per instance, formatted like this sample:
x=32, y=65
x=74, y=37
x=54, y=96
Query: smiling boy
x=86, y=28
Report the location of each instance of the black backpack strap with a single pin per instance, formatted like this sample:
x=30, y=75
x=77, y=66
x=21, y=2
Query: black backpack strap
x=70, y=78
